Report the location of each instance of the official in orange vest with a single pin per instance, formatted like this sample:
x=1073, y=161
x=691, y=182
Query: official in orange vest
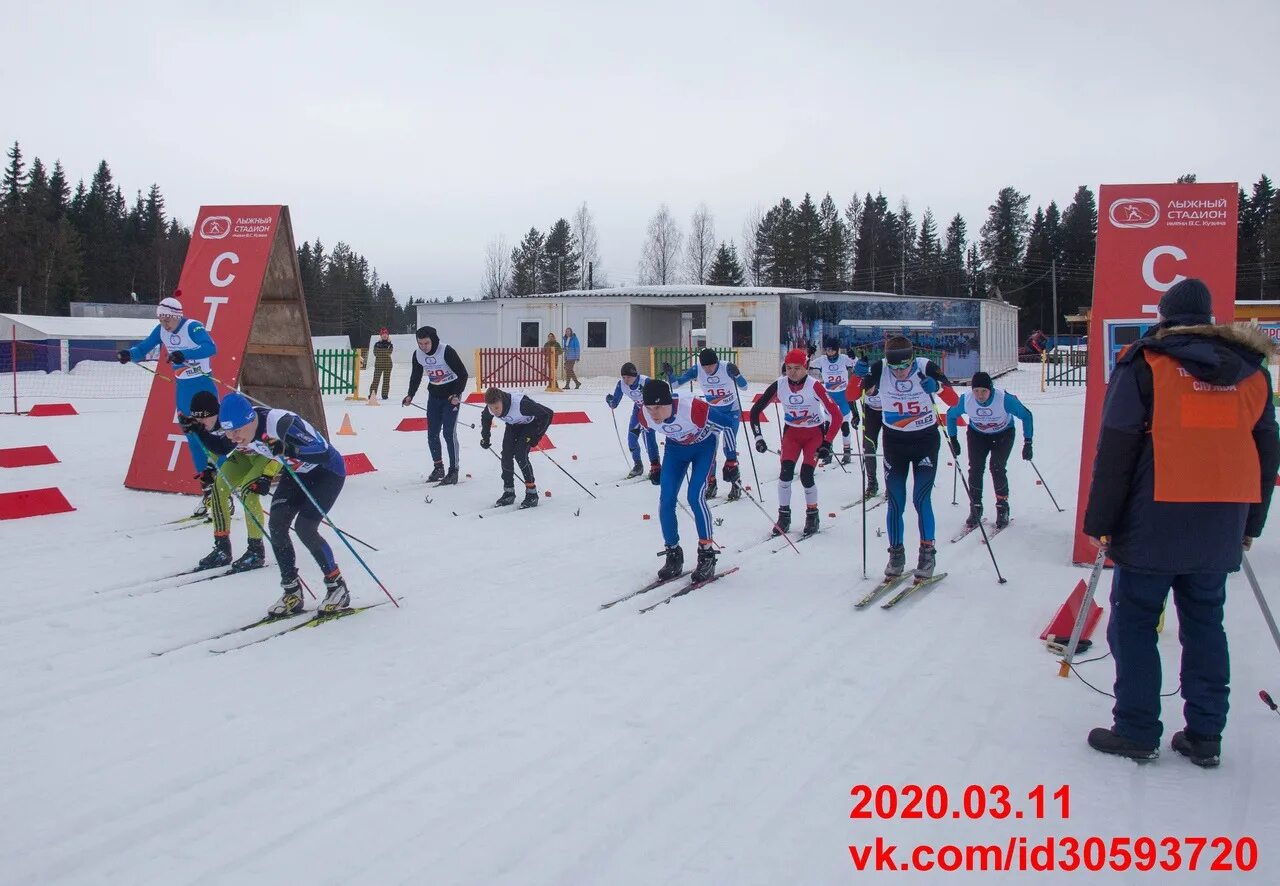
x=1182, y=481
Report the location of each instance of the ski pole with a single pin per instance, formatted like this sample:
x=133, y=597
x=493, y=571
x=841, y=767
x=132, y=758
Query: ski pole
x=955, y=474
x=1045, y=485
x=685, y=508
x=424, y=409
x=567, y=474
x=1266, y=700
x=862, y=466
x=1262, y=601
x=621, y=449
x=342, y=535
x=747, y=443
x=1064, y=669
x=523, y=479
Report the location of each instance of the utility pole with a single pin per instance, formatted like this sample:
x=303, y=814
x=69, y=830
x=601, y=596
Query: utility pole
x=1053, y=272
x=590, y=270
x=19, y=301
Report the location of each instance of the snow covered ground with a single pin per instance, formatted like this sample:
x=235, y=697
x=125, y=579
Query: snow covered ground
x=499, y=728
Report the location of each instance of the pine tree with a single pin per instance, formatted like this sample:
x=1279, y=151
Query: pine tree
x=852, y=224
x=976, y=273
x=835, y=247
x=1078, y=239
x=527, y=262
x=866, y=272
x=808, y=245
x=928, y=279
x=563, y=258
x=1004, y=239
x=907, y=257
x=779, y=252
x=725, y=269
x=14, y=178
x=1252, y=274
x=955, y=281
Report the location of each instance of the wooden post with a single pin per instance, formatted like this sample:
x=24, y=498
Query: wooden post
x=479, y=385
x=653, y=369
x=355, y=375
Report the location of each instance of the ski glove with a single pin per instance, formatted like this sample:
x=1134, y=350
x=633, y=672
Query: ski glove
x=207, y=476
x=257, y=486
x=860, y=368
x=177, y=358
x=608, y=398
x=761, y=446
x=824, y=452
x=732, y=369
x=188, y=424
x=124, y=356
x=930, y=385
x=407, y=400
x=276, y=446
x=666, y=369
x=729, y=472
x=1026, y=450
x=484, y=442
x=955, y=446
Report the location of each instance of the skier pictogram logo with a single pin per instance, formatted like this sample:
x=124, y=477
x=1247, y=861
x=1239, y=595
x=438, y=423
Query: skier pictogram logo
x=1134, y=212
x=215, y=227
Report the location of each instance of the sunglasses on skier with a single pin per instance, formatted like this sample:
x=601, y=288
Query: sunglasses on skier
x=906, y=364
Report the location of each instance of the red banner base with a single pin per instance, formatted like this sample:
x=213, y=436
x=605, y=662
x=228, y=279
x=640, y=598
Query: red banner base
x=33, y=503
x=358, y=463
x=1064, y=621
x=27, y=456
x=53, y=409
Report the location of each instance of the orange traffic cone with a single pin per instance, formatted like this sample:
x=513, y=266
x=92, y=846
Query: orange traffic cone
x=346, y=430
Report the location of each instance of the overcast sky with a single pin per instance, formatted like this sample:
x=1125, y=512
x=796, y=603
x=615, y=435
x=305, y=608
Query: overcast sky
x=419, y=132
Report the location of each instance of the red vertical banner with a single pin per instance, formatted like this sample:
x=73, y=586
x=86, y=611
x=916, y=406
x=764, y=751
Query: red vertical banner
x=221, y=283
x=1149, y=238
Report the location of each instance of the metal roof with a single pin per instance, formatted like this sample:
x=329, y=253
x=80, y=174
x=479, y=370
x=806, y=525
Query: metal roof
x=33, y=327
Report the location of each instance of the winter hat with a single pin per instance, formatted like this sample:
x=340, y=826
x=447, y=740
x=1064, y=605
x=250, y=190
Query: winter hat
x=203, y=405
x=657, y=393
x=384, y=331
x=708, y=357
x=831, y=343
x=170, y=307
x=428, y=332
x=898, y=350
x=236, y=412
x=1187, y=303
x=628, y=368
x=796, y=357
x=982, y=380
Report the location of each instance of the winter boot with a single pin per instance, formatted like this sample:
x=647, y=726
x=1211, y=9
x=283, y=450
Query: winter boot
x=675, y=562
x=451, y=478
x=508, y=498
x=735, y=491
x=1002, y=512
x=975, y=516
x=847, y=457
x=784, y=521
x=655, y=473
x=927, y=562
x=706, y=563
x=711, y=490
x=290, y=601
x=219, y=556
x=437, y=474
x=873, y=487
x=897, y=561
x=254, y=558
x=339, y=597
x=530, y=499
x=810, y=521
x=1106, y=740
x=1204, y=752
x=636, y=470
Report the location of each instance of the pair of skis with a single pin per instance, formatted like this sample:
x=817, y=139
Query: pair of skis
x=659, y=582
x=292, y=623
x=992, y=531
x=890, y=584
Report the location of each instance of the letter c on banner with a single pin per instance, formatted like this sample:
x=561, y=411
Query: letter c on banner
x=1149, y=267
x=217, y=263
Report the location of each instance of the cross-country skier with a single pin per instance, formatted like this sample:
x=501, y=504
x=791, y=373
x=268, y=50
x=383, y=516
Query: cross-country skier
x=811, y=421
x=631, y=385
x=716, y=382
x=990, y=412
x=690, y=426
x=446, y=382
x=283, y=435
x=526, y=422
x=872, y=421
x=905, y=385
x=249, y=472
x=189, y=347
x=835, y=371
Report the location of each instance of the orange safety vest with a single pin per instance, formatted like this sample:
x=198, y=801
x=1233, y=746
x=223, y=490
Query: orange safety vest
x=1202, y=435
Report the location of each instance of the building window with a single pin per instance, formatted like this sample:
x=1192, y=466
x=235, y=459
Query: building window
x=742, y=333
x=597, y=333
x=530, y=334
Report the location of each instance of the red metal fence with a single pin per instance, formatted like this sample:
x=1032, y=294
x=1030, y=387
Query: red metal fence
x=514, y=367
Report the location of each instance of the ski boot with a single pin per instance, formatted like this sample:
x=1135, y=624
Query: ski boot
x=675, y=562
x=636, y=470
x=1002, y=512
x=437, y=474
x=975, y=516
x=508, y=498
x=735, y=492
x=810, y=521
x=1107, y=741
x=530, y=499
x=339, y=597
x=711, y=490
x=928, y=561
x=873, y=488
x=706, y=562
x=1204, y=752
x=451, y=478
x=290, y=602
x=847, y=458
x=254, y=558
x=897, y=561
x=219, y=556
x=655, y=473
x=784, y=521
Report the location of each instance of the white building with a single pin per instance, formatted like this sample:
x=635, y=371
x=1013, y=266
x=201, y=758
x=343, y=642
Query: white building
x=759, y=322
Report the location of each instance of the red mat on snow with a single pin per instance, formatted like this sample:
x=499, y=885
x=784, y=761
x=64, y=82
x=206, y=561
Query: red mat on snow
x=571, y=418
x=27, y=456
x=358, y=463
x=33, y=503
x=53, y=409
x=544, y=445
x=412, y=424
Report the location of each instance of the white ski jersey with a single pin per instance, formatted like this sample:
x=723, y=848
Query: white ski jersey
x=834, y=374
x=803, y=408
x=434, y=367
x=905, y=404
x=271, y=427
x=180, y=340
x=513, y=416
x=717, y=388
x=636, y=394
x=991, y=418
x=689, y=422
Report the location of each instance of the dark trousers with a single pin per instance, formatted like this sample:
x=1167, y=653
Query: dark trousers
x=998, y=446
x=872, y=420
x=1136, y=601
x=442, y=420
x=381, y=373
x=290, y=505
x=515, y=450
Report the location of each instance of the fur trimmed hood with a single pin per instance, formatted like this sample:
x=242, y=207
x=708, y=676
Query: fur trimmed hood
x=1222, y=355
x=1244, y=335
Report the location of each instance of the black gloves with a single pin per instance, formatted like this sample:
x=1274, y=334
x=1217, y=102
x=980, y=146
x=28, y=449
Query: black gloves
x=955, y=446
x=732, y=369
x=257, y=486
x=206, y=476
x=608, y=398
x=1026, y=450
x=276, y=446
x=177, y=358
x=484, y=441
x=123, y=356
x=730, y=471
x=761, y=446
x=666, y=369
x=188, y=424
x=824, y=452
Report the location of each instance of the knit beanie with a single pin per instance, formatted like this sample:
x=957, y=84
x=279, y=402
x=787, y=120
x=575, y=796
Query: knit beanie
x=1187, y=303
